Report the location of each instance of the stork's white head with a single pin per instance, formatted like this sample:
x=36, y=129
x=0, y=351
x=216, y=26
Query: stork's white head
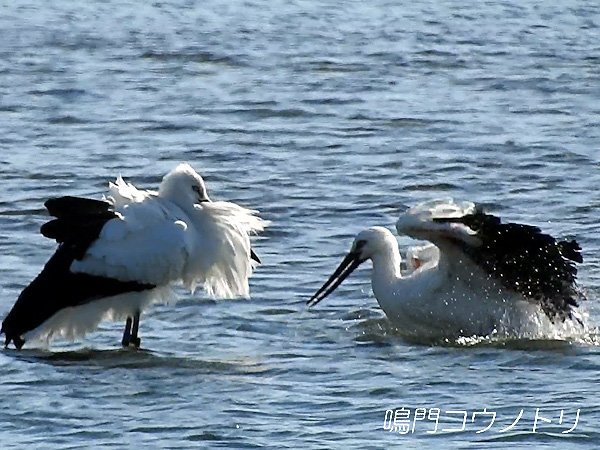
x=366, y=245
x=372, y=241
x=183, y=186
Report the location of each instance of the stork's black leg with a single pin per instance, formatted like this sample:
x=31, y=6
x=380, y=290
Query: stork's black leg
x=127, y=333
x=130, y=336
x=135, y=340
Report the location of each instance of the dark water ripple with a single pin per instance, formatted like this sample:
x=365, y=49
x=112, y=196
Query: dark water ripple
x=328, y=117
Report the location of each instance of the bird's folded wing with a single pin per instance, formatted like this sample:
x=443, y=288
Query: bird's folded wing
x=145, y=243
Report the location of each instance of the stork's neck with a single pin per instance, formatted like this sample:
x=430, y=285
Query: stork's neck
x=386, y=269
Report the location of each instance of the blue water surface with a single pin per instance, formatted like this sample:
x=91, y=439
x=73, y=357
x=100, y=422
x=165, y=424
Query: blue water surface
x=327, y=116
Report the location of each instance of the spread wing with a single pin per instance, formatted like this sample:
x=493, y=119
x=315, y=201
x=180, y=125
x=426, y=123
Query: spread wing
x=521, y=257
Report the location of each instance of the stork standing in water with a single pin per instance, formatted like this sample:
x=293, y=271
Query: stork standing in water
x=477, y=275
x=119, y=255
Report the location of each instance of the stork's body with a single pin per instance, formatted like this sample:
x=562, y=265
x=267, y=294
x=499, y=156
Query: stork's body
x=481, y=275
x=119, y=255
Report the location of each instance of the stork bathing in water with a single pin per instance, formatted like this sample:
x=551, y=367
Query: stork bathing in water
x=119, y=255
x=478, y=274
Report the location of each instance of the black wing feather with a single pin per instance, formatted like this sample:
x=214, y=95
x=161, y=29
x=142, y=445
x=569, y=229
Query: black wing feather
x=70, y=207
x=526, y=260
x=78, y=221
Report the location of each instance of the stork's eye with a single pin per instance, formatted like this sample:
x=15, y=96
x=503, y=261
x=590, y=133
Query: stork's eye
x=196, y=189
x=360, y=244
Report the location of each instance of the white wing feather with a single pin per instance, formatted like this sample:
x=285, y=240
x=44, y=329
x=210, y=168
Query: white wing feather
x=418, y=222
x=225, y=237
x=153, y=241
x=419, y=256
x=146, y=243
x=122, y=193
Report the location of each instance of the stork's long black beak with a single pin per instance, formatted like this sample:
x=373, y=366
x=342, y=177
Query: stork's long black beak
x=350, y=262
